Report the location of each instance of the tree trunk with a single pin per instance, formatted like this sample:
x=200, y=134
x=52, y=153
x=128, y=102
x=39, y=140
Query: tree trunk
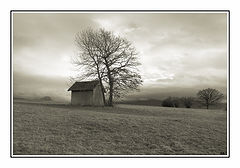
x=110, y=100
x=110, y=92
x=102, y=88
x=207, y=103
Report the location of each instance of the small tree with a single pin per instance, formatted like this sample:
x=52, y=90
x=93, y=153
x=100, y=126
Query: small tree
x=187, y=101
x=209, y=96
x=170, y=102
x=167, y=102
x=175, y=101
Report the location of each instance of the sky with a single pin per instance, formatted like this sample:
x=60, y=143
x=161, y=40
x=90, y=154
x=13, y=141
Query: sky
x=180, y=53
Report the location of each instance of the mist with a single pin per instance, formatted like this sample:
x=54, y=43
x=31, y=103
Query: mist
x=36, y=86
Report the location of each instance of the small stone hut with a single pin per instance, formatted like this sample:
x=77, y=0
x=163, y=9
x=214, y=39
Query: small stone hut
x=86, y=93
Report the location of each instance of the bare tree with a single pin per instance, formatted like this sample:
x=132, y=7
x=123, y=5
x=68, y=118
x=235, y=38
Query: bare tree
x=111, y=59
x=187, y=101
x=88, y=60
x=209, y=96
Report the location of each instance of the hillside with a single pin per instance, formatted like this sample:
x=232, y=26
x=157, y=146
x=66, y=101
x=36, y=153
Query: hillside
x=121, y=130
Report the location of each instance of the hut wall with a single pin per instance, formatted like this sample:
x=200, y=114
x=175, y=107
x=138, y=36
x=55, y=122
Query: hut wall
x=97, y=96
x=82, y=98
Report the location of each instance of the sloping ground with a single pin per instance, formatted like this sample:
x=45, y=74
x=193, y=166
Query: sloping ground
x=124, y=129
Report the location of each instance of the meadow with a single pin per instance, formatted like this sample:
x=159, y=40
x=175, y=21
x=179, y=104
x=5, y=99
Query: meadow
x=58, y=129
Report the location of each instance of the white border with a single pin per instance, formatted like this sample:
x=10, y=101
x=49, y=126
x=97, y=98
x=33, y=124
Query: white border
x=117, y=12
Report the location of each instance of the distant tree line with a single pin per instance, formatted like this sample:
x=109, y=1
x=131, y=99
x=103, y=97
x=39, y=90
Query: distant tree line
x=206, y=97
x=176, y=101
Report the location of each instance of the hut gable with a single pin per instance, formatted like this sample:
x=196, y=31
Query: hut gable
x=86, y=93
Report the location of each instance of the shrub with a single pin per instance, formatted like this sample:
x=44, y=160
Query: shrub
x=167, y=102
x=170, y=102
x=175, y=102
x=187, y=101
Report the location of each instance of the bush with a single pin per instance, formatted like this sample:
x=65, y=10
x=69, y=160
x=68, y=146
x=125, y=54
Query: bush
x=167, y=102
x=170, y=102
x=187, y=101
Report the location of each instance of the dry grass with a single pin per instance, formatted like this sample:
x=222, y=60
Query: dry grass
x=124, y=129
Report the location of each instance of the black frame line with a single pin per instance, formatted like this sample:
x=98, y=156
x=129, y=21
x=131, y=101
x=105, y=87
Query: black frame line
x=116, y=156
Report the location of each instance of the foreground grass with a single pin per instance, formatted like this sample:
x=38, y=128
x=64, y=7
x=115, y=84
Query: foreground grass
x=125, y=129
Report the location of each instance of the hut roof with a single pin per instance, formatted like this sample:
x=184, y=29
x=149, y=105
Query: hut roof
x=84, y=86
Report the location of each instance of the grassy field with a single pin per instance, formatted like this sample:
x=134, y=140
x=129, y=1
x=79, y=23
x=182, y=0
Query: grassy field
x=121, y=130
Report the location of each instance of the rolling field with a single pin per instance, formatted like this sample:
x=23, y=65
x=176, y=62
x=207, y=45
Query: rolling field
x=121, y=130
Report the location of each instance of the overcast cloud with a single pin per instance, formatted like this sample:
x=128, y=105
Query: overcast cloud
x=177, y=50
